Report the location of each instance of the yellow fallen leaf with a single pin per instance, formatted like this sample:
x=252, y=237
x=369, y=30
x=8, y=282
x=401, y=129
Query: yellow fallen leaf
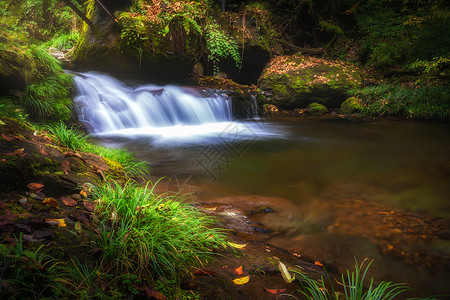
x=237, y=246
x=59, y=222
x=285, y=273
x=242, y=280
x=78, y=227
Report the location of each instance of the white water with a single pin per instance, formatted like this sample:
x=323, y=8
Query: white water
x=108, y=107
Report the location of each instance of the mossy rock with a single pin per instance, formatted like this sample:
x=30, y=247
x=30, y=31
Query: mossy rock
x=294, y=81
x=149, y=55
x=316, y=109
x=351, y=105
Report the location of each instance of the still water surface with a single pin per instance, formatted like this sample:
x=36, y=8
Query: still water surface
x=315, y=164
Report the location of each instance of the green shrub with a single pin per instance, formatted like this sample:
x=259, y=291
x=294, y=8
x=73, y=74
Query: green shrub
x=63, y=42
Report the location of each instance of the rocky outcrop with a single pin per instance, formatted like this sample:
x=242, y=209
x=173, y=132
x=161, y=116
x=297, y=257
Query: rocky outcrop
x=297, y=80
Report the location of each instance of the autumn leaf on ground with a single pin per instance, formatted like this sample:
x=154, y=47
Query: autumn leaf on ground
x=59, y=222
x=237, y=246
x=65, y=167
x=83, y=193
x=242, y=280
x=43, y=152
x=7, y=137
x=239, y=271
x=51, y=202
x=90, y=206
x=35, y=186
x=285, y=273
x=275, y=291
x=68, y=201
x=205, y=272
x=20, y=153
x=318, y=263
x=78, y=227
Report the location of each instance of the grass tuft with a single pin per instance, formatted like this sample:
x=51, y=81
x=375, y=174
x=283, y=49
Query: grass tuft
x=145, y=234
x=353, y=286
x=73, y=138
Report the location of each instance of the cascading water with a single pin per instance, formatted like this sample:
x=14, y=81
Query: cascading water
x=109, y=107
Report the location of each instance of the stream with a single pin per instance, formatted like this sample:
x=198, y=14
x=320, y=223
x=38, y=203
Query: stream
x=335, y=190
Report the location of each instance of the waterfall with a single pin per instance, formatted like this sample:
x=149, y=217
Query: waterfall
x=109, y=107
x=106, y=104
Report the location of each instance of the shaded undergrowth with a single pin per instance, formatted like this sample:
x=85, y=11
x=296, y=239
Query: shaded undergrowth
x=422, y=103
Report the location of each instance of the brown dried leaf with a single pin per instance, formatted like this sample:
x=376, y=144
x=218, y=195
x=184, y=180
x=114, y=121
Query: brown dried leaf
x=205, y=272
x=35, y=186
x=7, y=137
x=65, y=167
x=239, y=271
x=19, y=152
x=43, y=152
x=51, y=202
x=90, y=206
x=153, y=294
x=275, y=291
x=318, y=263
x=68, y=201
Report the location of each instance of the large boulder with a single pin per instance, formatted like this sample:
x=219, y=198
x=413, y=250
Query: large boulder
x=297, y=80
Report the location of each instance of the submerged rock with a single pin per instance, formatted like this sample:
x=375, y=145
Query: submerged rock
x=297, y=80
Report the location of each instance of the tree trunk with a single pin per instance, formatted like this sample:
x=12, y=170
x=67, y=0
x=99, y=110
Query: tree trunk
x=79, y=13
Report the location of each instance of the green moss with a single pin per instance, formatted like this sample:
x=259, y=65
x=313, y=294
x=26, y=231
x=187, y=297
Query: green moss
x=351, y=105
x=316, y=109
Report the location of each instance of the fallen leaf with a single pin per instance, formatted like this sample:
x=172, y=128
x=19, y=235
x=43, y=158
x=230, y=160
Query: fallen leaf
x=275, y=291
x=68, y=201
x=285, y=273
x=242, y=280
x=7, y=137
x=7, y=219
x=237, y=246
x=78, y=227
x=35, y=186
x=205, y=272
x=90, y=206
x=20, y=153
x=318, y=263
x=43, y=152
x=66, y=167
x=239, y=271
x=153, y=294
x=83, y=193
x=51, y=202
x=59, y=222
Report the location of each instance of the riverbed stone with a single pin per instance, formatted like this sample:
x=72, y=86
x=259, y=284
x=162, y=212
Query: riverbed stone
x=294, y=81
